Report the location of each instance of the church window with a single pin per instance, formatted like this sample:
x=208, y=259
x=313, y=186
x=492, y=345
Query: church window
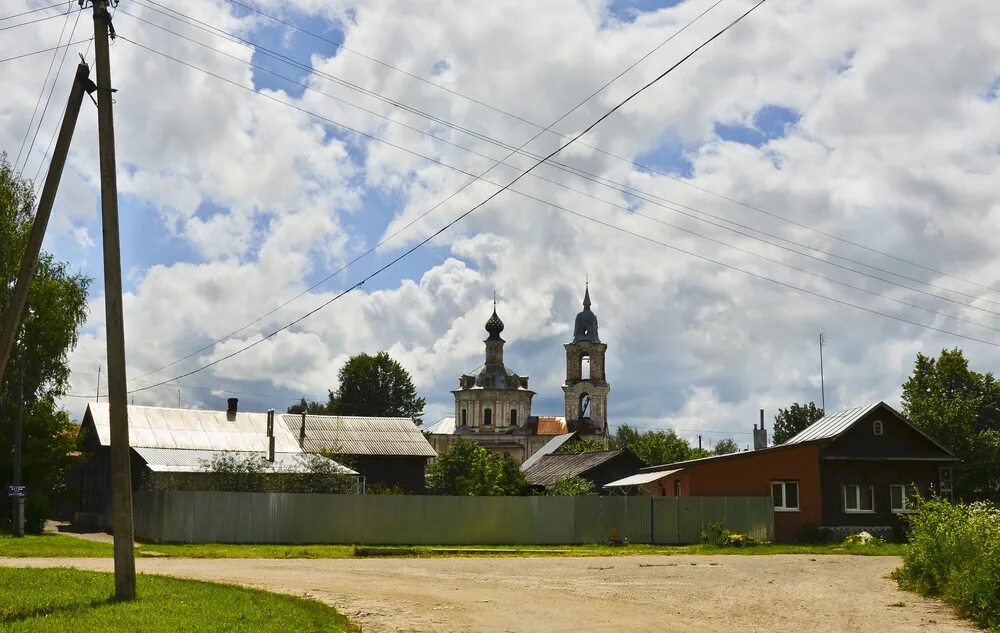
x=585, y=367
x=487, y=416
x=584, y=406
x=465, y=418
x=513, y=417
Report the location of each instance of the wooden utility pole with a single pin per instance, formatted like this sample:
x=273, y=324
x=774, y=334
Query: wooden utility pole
x=121, y=477
x=12, y=320
x=18, y=499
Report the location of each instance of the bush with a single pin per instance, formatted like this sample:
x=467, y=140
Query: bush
x=954, y=553
x=716, y=534
x=861, y=538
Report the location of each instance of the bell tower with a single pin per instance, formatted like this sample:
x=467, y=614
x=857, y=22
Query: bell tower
x=586, y=387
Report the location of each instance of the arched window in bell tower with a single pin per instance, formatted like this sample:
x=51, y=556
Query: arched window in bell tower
x=585, y=367
x=584, y=406
x=465, y=418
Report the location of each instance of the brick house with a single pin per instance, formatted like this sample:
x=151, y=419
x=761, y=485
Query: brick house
x=851, y=470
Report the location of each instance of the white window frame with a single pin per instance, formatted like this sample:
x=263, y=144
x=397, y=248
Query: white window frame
x=857, y=499
x=784, y=495
x=909, y=491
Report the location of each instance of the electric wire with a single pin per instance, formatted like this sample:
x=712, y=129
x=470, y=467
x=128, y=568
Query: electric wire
x=39, y=52
x=36, y=20
x=622, y=188
x=41, y=93
x=17, y=15
x=52, y=89
x=636, y=164
x=565, y=167
x=418, y=245
x=425, y=213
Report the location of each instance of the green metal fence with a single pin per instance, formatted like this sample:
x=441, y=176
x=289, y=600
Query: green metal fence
x=237, y=517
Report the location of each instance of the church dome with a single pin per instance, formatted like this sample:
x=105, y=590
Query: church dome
x=585, y=329
x=494, y=326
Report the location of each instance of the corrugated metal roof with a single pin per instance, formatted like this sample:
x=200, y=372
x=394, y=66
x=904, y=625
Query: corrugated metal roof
x=360, y=435
x=550, y=447
x=551, y=467
x=444, y=426
x=194, y=429
x=642, y=478
x=832, y=425
x=551, y=425
x=173, y=460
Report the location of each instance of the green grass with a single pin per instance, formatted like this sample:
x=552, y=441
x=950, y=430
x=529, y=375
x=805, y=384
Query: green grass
x=52, y=546
x=58, y=545
x=72, y=600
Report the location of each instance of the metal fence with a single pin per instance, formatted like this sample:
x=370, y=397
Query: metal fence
x=239, y=517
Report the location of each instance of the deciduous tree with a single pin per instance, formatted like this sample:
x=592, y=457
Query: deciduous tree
x=468, y=469
x=56, y=308
x=725, y=447
x=789, y=422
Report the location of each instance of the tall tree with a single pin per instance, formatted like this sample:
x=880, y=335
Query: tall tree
x=56, y=308
x=725, y=447
x=468, y=469
x=656, y=447
x=789, y=422
x=377, y=385
x=961, y=409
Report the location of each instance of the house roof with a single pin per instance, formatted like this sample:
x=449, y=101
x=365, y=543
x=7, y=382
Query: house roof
x=173, y=460
x=642, y=478
x=444, y=426
x=193, y=429
x=550, y=447
x=550, y=425
x=360, y=435
x=832, y=425
x=550, y=468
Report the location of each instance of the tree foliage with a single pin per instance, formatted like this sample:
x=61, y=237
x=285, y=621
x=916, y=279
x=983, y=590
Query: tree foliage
x=468, y=469
x=571, y=487
x=961, y=409
x=789, y=422
x=254, y=473
x=725, y=447
x=370, y=385
x=656, y=447
x=55, y=310
x=582, y=445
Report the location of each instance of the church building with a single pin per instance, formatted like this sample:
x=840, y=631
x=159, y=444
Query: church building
x=493, y=402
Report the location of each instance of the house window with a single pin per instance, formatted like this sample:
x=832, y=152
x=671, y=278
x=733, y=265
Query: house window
x=487, y=417
x=465, y=418
x=901, y=497
x=513, y=417
x=859, y=498
x=786, y=496
x=944, y=477
x=877, y=427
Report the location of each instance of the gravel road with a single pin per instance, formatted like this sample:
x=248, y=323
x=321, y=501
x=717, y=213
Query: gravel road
x=800, y=594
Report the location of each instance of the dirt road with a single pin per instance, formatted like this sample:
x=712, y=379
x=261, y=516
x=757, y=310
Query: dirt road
x=800, y=594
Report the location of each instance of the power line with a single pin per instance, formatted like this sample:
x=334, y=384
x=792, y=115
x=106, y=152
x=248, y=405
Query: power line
x=621, y=187
x=472, y=209
x=17, y=15
x=626, y=189
x=397, y=232
x=44, y=50
x=35, y=21
x=41, y=91
x=616, y=156
x=52, y=89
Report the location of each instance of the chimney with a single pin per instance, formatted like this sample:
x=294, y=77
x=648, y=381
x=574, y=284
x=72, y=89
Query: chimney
x=231, y=405
x=760, y=435
x=302, y=431
x=270, y=435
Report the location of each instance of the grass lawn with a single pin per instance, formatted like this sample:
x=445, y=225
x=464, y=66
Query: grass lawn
x=60, y=545
x=73, y=600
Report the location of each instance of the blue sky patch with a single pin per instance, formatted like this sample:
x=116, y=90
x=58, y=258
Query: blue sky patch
x=295, y=44
x=629, y=10
x=669, y=156
x=769, y=123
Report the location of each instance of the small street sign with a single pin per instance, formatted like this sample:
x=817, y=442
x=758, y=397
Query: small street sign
x=16, y=492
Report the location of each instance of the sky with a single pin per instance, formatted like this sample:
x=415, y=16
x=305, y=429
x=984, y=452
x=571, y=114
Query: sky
x=821, y=167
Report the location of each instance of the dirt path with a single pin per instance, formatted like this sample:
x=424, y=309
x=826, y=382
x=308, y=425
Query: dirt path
x=800, y=594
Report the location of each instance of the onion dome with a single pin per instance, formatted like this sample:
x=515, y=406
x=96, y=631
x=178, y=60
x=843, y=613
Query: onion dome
x=494, y=326
x=585, y=330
